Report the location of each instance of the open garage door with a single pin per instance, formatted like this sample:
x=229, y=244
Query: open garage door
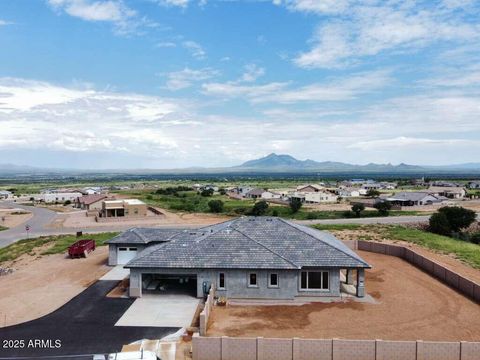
x=125, y=254
x=180, y=284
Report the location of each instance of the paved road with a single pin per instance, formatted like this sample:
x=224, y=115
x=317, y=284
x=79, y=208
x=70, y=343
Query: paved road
x=372, y=220
x=84, y=325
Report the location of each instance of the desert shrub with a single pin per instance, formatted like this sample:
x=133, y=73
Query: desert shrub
x=358, y=208
x=260, y=208
x=383, y=207
x=458, y=217
x=215, y=206
x=439, y=224
x=295, y=205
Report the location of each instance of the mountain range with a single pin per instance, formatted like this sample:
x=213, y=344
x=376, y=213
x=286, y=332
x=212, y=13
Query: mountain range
x=272, y=163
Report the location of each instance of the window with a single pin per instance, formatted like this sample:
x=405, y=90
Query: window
x=221, y=280
x=122, y=249
x=314, y=280
x=252, y=280
x=273, y=280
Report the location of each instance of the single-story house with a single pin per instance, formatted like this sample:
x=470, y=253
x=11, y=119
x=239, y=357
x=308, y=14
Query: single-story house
x=414, y=198
x=254, y=193
x=4, y=194
x=58, y=197
x=92, y=190
x=310, y=188
x=474, y=185
x=248, y=257
x=348, y=192
x=90, y=202
x=270, y=195
x=448, y=191
x=124, y=208
x=320, y=197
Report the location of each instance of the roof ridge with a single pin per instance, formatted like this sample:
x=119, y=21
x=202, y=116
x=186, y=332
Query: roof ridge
x=299, y=227
x=136, y=232
x=273, y=252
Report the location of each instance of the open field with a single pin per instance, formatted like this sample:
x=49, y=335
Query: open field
x=466, y=252
x=41, y=284
x=13, y=217
x=410, y=305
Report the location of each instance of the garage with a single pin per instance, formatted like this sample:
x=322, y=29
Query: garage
x=125, y=254
x=178, y=284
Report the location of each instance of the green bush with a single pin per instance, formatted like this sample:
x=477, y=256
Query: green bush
x=260, y=208
x=439, y=224
x=295, y=205
x=358, y=208
x=216, y=206
x=458, y=217
x=383, y=207
x=475, y=238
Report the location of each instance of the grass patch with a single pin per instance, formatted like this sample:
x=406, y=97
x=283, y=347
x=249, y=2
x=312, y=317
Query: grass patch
x=3, y=228
x=338, y=227
x=60, y=243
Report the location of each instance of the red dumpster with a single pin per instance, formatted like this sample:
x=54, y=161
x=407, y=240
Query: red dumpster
x=81, y=248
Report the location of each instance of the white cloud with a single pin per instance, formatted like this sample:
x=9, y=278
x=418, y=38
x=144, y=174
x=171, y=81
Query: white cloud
x=315, y=6
x=185, y=78
x=252, y=73
x=370, y=29
x=5, y=22
x=166, y=44
x=195, y=49
x=409, y=142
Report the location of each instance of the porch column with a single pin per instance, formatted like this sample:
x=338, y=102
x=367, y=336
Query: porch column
x=349, y=276
x=360, y=282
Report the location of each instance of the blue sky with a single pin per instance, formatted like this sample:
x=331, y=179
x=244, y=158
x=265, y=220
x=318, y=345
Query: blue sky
x=177, y=83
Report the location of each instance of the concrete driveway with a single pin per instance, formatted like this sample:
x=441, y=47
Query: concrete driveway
x=84, y=325
x=163, y=310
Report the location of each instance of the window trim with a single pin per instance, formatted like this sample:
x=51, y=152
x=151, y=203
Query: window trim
x=224, y=281
x=249, y=278
x=270, y=280
x=300, y=288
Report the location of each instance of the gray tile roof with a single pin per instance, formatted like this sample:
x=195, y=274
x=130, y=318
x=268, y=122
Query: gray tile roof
x=410, y=196
x=250, y=243
x=144, y=236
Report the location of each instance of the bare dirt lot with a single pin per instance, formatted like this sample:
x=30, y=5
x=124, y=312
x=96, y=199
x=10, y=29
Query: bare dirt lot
x=13, y=217
x=411, y=305
x=41, y=284
x=79, y=220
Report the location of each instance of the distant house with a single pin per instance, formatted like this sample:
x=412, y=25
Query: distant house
x=266, y=195
x=242, y=190
x=90, y=202
x=474, y=185
x=310, y=188
x=254, y=193
x=320, y=197
x=448, y=192
x=348, y=192
x=57, y=197
x=372, y=186
x=414, y=199
x=4, y=194
x=92, y=190
x=123, y=208
x=209, y=187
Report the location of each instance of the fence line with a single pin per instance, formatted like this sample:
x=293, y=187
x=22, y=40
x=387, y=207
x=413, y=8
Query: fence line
x=228, y=348
x=205, y=314
x=460, y=283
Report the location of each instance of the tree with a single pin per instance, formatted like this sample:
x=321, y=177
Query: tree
x=358, y=208
x=216, y=206
x=458, y=217
x=222, y=191
x=67, y=202
x=259, y=208
x=439, y=224
x=295, y=205
x=207, y=192
x=383, y=207
x=373, y=193
x=475, y=238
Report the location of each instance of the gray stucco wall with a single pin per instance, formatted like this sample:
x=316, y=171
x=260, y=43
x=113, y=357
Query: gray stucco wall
x=112, y=251
x=236, y=283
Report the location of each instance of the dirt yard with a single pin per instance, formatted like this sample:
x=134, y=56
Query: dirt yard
x=13, y=217
x=411, y=305
x=41, y=284
x=79, y=220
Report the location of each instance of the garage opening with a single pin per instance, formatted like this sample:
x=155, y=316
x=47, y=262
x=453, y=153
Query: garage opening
x=125, y=254
x=170, y=284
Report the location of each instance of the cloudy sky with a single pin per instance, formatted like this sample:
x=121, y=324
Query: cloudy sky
x=178, y=83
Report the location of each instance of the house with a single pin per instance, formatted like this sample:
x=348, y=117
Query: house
x=254, y=193
x=123, y=208
x=310, y=188
x=348, y=192
x=414, y=198
x=372, y=186
x=474, y=185
x=320, y=197
x=4, y=194
x=57, y=197
x=448, y=192
x=248, y=257
x=90, y=202
x=92, y=190
x=268, y=195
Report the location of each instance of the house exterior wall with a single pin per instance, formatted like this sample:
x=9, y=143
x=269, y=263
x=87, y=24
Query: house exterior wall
x=319, y=197
x=58, y=197
x=135, y=209
x=236, y=283
x=113, y=251
x=95, y=206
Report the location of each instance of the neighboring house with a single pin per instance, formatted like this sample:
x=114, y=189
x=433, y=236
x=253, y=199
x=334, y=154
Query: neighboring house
x=310, y=188
x=4, y=194
x=474, y=185
x=414, y=198
x=209, y=187
x=320, y=197
x=92, y=190
x=90, y=202
x=248, y=257
x=254, y=193
x=267, y=195
x=372, y=186
x=348, y=192
x=123, y=208
x=445, y=184
x=448, y=192
x=55, y=197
